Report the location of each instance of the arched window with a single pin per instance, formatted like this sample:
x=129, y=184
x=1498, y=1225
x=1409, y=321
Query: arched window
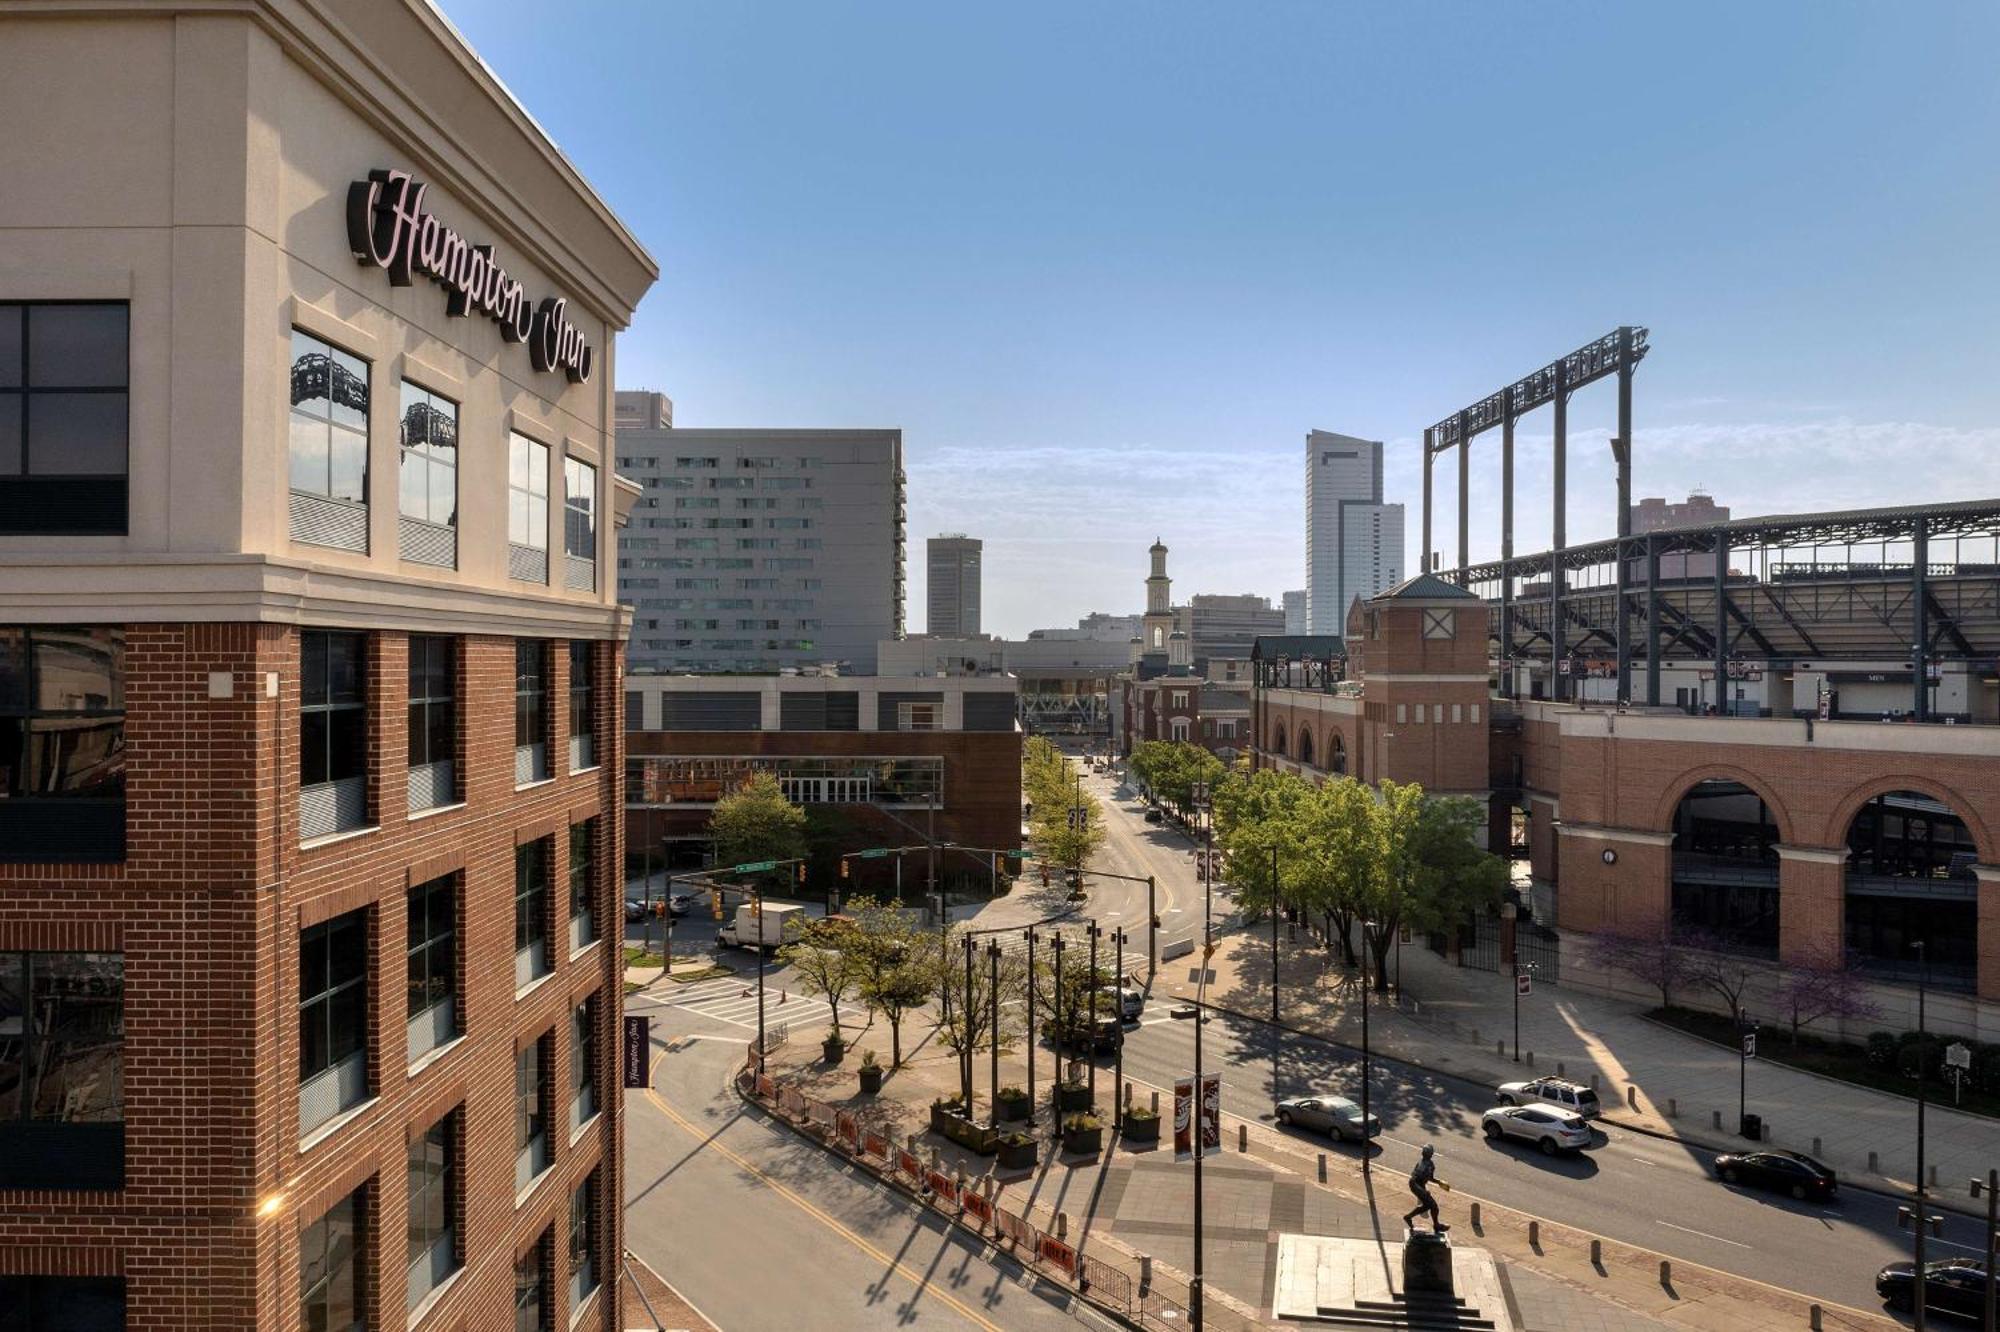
x=1278, y=739
x=1305, y=746
x=1725, y=869
x=1910, y=881
x=1336, y=759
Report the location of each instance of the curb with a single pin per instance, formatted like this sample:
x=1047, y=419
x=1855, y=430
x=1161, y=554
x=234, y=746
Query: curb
x=1885, y=1189
x=992, y=1251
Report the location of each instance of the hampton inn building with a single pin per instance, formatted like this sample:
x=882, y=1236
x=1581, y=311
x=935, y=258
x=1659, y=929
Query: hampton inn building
x=310, y=735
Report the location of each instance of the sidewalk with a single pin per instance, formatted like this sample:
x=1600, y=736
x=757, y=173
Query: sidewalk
x=1123, y=1202
x=648, y=1304
x=1649, y=1077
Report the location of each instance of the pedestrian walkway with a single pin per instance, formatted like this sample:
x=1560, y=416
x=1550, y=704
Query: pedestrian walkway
x=733, y=999
x=1650, y=1077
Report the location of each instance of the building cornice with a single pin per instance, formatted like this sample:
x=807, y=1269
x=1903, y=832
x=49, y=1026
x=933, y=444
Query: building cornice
x=1596, y=832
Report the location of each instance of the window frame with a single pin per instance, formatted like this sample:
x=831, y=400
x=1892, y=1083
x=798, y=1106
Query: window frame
x=90, y=835
x=427, y=705
x=366, y=409
x=425, y=454
x=328, y=708
x=421, y=950
x=584, y=1268
x=579, y=509
x=582, y=724
x=583, y=884
x=532, y=905
x=531, y=1088
x=356, y=1264
x=439, y=1183
x=39, y=1150
x=319, y=1007
x=32, y=516
x=584, y=1050
x=542, y=1307
x=537, y=533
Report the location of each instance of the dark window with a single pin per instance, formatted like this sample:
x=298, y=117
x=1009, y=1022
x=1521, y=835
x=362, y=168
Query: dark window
x=62, y=744
x=531, y=910
x=531, y=722
x=429, y=477
x=433, y=945
x=531, y=1281
x=583, y=1264
x=582, y=883
x=583, y=1061
x=329, y=437
x=635, y=709
x=433, y=701
x=433, y=1228
x=333, y=732
x=582, y=690
x=579, y=509
x=331, y=1296
x=531, y=1112
x=62, y=1304
x=64, y=414
x=527, y=493
x=62, y=1071
x=333, y=1016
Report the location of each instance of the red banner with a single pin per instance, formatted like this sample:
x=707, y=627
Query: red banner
x=1183, y=1118
x=1012, y=1226
x=845, y=1128
x=1059, y=1253
x=944, y=1186
x=907, y=1163
x=1211, y=1114
x=874, y=1144
x=978, y=1208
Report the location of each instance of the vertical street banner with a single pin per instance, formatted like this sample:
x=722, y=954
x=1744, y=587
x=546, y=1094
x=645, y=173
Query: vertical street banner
x=638, y=1040
x=1211, y=1114
x=1183, y=1118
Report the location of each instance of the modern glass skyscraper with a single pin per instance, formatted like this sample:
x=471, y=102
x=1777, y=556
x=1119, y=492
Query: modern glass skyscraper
x=951, y=595
x=1354, y=542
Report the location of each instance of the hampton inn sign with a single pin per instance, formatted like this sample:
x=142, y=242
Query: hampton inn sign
x=388, y=227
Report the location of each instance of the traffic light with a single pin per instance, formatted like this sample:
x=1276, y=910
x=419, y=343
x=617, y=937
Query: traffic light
x=802, y=873
x=843, y=867
x=715, y=902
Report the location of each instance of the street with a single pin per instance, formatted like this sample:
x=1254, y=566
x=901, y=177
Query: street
x=763, y=1229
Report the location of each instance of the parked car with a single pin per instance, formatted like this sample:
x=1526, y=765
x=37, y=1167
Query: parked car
x=681, y=903
x=1079, y=1037
x=1131, y=1002
x=1571, y=1096
x=1154, y=816
x=1549, y=1129
x=1335, y=1116
x=635, y=910
x=1787, y=1172
x=1954, y=1285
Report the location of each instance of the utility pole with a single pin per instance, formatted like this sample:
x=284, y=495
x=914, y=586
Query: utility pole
x=1274, y=936
x=1196, y=1291
x=967, y=1028
x=1365, y=1079
x=1152, y=931
x=1746, y=1034
x=1118, y=1057
x=993, y=1023
x=757, y=910
x=1055, y=1051
x=1031, y=1025
x=1090, y=1048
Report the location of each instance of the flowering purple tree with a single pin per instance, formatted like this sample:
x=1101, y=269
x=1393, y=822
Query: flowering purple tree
x=1824, y=986
x=1653, y=959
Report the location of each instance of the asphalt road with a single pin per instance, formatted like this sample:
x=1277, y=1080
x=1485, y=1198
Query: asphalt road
x=762, y=1229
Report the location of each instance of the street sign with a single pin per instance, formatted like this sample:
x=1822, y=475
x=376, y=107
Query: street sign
x=1749, y=1045
x=875, y=853
x=752, y=866
x=1524, y=984
x=1958, y=1055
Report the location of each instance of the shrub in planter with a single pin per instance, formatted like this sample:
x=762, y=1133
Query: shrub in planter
x=1014, y=1103
x=948, y=1120
x=1072, y=1096
x=1018, y=1151
x=1921, y=1058
x=1141, y=1125
x=871, y=1073
x=833, y=1047
x=1882, y=1048
x=1082, y=1133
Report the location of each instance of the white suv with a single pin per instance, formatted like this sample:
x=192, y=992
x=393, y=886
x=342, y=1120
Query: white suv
x=1571, y=1096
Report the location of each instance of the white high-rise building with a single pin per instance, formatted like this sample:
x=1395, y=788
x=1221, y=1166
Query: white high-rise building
x=1295, y=612
x=1354, y=542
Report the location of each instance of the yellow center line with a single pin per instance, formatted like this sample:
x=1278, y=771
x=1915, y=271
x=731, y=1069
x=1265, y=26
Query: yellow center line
x=916, y=1279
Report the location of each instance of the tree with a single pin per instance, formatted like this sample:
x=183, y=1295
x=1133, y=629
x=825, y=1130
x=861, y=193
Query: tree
x=1436, y=873
x=1076, y=994
x=756, y=822
x=1824, y=986
x=896, y=965
x=827, y=957
x=1255, y=816
x=968, y=1028
x=1709, y=966
x=1349, y=837
x=1171, y=768
x=1650, y=958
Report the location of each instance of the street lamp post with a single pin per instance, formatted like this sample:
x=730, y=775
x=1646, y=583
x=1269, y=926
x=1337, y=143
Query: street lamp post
x=1055, y=1051
x=1195, y=1284
x=993, y=1023
x=1274, y=934
x=966, y=1030
x=1990, y=1186
x=1090, y=1047
x=757, y=910
x=1366, y=1077
x=1118, y=1050
x=1031, y=1025
x=1922, y=1220
x=1746, y=1031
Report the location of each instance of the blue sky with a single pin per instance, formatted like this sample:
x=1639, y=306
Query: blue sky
x=1106, y=263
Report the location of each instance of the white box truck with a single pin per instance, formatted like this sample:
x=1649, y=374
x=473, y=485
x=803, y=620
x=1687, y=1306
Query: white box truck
x=748, y=930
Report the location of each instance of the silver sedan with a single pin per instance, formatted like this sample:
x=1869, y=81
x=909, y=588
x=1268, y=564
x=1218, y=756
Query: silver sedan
x=1335, y=1116
x=1551, y=1130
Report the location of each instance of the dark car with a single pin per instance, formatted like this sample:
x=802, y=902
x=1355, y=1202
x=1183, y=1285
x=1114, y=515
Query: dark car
x=1787, y=1172
x=1079, y=1038
x=635, y=910
x=1956, y=1285
x=1154, y=816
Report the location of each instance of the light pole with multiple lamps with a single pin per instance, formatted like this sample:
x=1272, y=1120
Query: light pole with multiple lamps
x=1199, y=792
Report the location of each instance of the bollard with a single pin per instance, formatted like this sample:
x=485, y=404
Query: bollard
x=1561, y=1071
x=1500, y=1049
x=1156, y=1105
x=1765, y=1135
x=1631, y=1097
x=1535, y=1235
x=1934, y=1176
x=1531, y=1059
x=1872, y=1169
x=1475, y=1216
x=1813, y=1316
x=1718, y=1117
x=1475, y=1035
x=1593, y=1082
x=1145, y=1273
x=910, y=1144
x=1062, y=1225
x=1128, y=1096
x=1597, y=1253
x=1816, y=1148
x=1322, y=1167
x=1666, y=1272
x=1673, y=1107
x=1242, y=1137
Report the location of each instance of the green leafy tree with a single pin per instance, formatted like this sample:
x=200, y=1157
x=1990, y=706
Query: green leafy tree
x=1436, y=873
x=1348, y=826
x=968, y=1027
x=826, y=955
x=1171, y=769
x=757, y=822
x=896, y=965
x=1256, y=816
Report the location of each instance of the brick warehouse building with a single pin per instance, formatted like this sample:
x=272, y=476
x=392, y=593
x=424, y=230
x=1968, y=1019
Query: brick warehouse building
x=311, y=739
x=900, y=760
x=1799, y=841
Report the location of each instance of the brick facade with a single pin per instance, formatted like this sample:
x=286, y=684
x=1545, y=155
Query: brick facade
x=207, y=910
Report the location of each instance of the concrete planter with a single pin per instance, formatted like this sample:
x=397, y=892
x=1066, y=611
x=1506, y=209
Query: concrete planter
x=1142, y=1128
x=1022, y=1155
x=1072, y=1099
x=871, y=1078
x=1014, y=1108
x=1083, y=1141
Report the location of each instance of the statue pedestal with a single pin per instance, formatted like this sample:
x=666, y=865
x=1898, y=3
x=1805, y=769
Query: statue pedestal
x=1427, y=1266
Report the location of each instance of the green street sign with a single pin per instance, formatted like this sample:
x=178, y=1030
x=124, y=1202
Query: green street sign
x=874, y=854
x=753, y=866
x=1020, y=855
